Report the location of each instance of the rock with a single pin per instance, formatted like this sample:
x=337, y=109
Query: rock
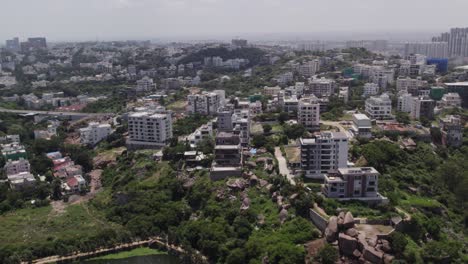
x=331, y=231
x=362, y=243
x=279, y=201
x=263, y=183
x=386, y=246
x=283, y=215
x=341, y=215
x=348, y=221
x=245, y=204
x=253, y=180
x=293, y=196
x=347, y=244
x=372, y=255
x=388, y=259
x=236, y=183
x=372, y=242
x=265, y=260
x=261, y=219
x=352, y=232
x=357, y=254
x=251, y=164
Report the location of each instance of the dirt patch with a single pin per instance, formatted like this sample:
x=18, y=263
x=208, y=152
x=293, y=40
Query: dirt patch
x=58, y=208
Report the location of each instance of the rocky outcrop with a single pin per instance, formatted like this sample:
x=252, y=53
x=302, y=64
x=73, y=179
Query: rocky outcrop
x=352, y=232
x=348, y=220
x=372, y=255
x=347, y=244
x=331, y=232
x=283, y=215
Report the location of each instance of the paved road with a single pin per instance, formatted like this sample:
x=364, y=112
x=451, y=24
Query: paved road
x=283, y=166
x=57, y=113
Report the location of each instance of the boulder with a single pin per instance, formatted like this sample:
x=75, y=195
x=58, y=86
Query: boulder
x=251, y=164
x=372, y=255
x=331, y=231
x=348, y=221
x=260, y=219
x=253, y=180
x=362, y=243
x=283, y=215
x=347, y=244
x=279, y=201
x=386, y=246
x=352, y=232
x=245, y=204
x=388, y=259
x=357, y=254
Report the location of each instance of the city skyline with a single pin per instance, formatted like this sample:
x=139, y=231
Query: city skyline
x=219, y=19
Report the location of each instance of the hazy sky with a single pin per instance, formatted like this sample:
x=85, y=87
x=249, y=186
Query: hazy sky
x=150, y=19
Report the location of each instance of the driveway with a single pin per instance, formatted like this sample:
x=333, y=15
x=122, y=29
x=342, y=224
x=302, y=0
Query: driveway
x=283, y=166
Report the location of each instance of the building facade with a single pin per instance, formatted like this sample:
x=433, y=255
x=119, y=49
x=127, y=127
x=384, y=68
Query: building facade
x=149, y=129
x=379, y=107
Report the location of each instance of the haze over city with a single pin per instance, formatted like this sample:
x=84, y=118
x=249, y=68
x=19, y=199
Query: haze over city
x=201, y=19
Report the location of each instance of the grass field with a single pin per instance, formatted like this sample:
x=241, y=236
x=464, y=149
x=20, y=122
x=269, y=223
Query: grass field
x=177, y=105
x=136, y=252
x=37, y=225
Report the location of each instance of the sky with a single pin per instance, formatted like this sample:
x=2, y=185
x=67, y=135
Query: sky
x=72, y=20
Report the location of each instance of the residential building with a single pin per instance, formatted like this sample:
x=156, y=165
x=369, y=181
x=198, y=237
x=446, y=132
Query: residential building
x=203, y=132
x=145, y=84
x=255, y=108
x=362, y=126
x=308, y=113
x=17, y=166
x=309, y=68
x=360, y=183
x=430, y=49
x=151, y=129
x=379, y=107
x=94, y=133
x=422, y=107
x=461, y=88
x=74, y=184
x=457, y=41
x=21, y=180
x=224, y=119
x=323, y=153
x=321, y=87
x=227, y=156
x=452, y=130
x=405, y=102
x=450, y=100
x=410, y=85
x=239, y=42
x=13, y=45
x=271, y=91
x=370, y=89
x=206, y=103
x=13, y=151
x=290, y=104
x=241, y=125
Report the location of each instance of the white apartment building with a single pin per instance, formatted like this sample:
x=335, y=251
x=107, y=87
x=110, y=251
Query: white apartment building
x=94, y=133
x=309, y=68
x=241, y=125
x=206, y=103
x=308, y=113
x=17, y=166
x=405, y=102
x=299, y=88
x=324, y=153
x=145, y=84
x=255, y=108
x=322, y=87
x=379, y=107
x=149, y=129
x=370, y=89
x=361, y=126
x=203, y=132
x=422, y=107
x=450, y=100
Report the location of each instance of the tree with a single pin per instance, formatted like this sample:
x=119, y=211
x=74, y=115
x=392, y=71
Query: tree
x=399, y=242
x=403, y=118
x=328, y=254
x=283, y=117
x=56, y=190
x=294, y=131
x=267, y=128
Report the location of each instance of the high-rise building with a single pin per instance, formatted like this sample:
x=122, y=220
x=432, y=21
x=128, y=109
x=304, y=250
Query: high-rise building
x=324, y=153
x=405, y=102
x=430, y=49
x=308, y=113
x=149, y=129
x=239, y=42
x=37, y=43
x=457, y=41
x=309, y=68
x=206, y=103
x=422, y=107
x=13, y=44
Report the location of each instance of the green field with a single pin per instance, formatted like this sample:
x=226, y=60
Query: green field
x=39, y=225
x=136, y=252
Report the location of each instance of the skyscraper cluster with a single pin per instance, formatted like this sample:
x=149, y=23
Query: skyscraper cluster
x=457, y=40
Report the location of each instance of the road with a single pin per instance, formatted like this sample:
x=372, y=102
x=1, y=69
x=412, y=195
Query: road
x=53, y=113
x=339, y=126
x=283, y=166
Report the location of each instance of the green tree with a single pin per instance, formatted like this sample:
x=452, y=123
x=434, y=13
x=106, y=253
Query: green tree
x=328, y=254
x=267, y=128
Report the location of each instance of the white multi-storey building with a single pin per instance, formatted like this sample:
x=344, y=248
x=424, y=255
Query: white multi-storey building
x=409, y=85
x=370, y=89
x=152, y=129
x=324, y=153
x=17, y=166
x=308, y=113
x=241, y=125
x=405, y=102
x=206, y=103
x=362, y=126
x=450, y=100
x=145, y=84
x=271, y=91
x=94, y=133
x=379, y=107
x=309, y=68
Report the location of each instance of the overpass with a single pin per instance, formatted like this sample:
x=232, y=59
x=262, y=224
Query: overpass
x=70, y=115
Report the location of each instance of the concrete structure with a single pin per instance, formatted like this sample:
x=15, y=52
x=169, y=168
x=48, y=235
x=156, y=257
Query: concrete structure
x=405, y=102
x=224, y=119
x=94, y=133
x=17, y=166
x=227, y=156
x=430, y=49
x=309, y=68
x=13, y=151
x=452, y=131
x=321, y=87
x=13, y=45
x=410, y=85
x=379, y=107
x=206, y=103
x=271, y=91
x=450, y=100
x=457, y=41
x=149, y=129
x=461, y=88
x=370, y=89
x=203, y=132
x=354, y=183
x=422, y=107
x=145, y=84
x=323, y=153
x=361, y=126
x=21, y=180
x=308, y=113
x=241, y=125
